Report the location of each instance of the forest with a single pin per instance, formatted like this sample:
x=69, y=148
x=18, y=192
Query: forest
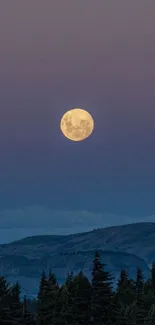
x=80, y=301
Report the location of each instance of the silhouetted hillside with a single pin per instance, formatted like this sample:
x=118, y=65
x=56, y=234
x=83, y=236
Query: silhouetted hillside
x=127, y=246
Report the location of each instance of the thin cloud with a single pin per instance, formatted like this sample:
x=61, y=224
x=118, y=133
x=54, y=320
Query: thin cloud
x=37, y=217
x=37, y=220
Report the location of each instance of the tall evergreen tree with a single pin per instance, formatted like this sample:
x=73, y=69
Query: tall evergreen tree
x=139, y=286
x=69, y=281
x=16, y=306
x=27, y=317
x=81, y=300
x=125, y=290
x=5, y=300
x=62, y=308
x=101, y=295
x=70, y=291
x=124, y=278
x=139, y=282
x=42, y=301
x=141, y=311
x=153, y=277
x=51, y=297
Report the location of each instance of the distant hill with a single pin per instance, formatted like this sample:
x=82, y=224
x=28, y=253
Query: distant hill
x=127, y=246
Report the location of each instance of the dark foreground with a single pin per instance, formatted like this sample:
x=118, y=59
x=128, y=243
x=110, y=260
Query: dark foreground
x=82, y=302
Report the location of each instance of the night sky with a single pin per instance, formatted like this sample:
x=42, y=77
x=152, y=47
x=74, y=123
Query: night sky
x=55, y=55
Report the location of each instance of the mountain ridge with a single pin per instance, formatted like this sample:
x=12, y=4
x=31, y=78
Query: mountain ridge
x=127, y=246
x=136, y=238
x=85, y=232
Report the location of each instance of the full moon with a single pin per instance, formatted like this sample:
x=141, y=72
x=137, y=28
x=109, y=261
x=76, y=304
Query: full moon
x=77, y=124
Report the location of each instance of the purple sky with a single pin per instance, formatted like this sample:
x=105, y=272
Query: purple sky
x=98, y=55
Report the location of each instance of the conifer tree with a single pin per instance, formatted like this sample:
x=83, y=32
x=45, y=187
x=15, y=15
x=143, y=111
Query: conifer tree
x=69, y=281
x=27, y=317
x=124, y=278
x=126, y=314
x=119, y=310
x=15, y=305
x=139, y=286
x=153, y=277
x=139, y=282
x=101, y=295
x=5, y=299
x=51, y=298
x=125, y=290
x=150, y=318
x=141, y=311
x=62, y=308
x=81, y=300
x=149, y=294
x=42, y=301
x=70, y=291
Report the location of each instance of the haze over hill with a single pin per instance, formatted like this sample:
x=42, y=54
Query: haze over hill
x=127, y=246
x=36, y=220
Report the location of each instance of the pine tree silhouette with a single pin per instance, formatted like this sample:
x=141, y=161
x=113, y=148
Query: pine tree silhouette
x=5, y=301
x=42, y=301
x=101, y=295
x=27, y=317
x=16, y=305
x=81, y=300
x=153, y=277
x=51, y=298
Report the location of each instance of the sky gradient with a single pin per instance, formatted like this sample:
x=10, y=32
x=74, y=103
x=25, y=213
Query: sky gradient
x=97, y=55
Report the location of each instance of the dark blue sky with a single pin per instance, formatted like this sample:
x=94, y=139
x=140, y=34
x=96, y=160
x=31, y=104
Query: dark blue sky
x=99, y=56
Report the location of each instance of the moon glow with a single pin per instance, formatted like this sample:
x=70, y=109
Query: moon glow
x=77, y=124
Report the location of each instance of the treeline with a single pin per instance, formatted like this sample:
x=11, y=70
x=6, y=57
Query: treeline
x=82, y=302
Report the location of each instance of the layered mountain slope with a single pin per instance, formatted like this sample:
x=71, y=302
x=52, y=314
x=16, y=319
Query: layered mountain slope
x=28, y=271
x=137, y=239
x=127, y=246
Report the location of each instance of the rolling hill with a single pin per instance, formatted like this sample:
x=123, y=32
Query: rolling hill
x=127, y=246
